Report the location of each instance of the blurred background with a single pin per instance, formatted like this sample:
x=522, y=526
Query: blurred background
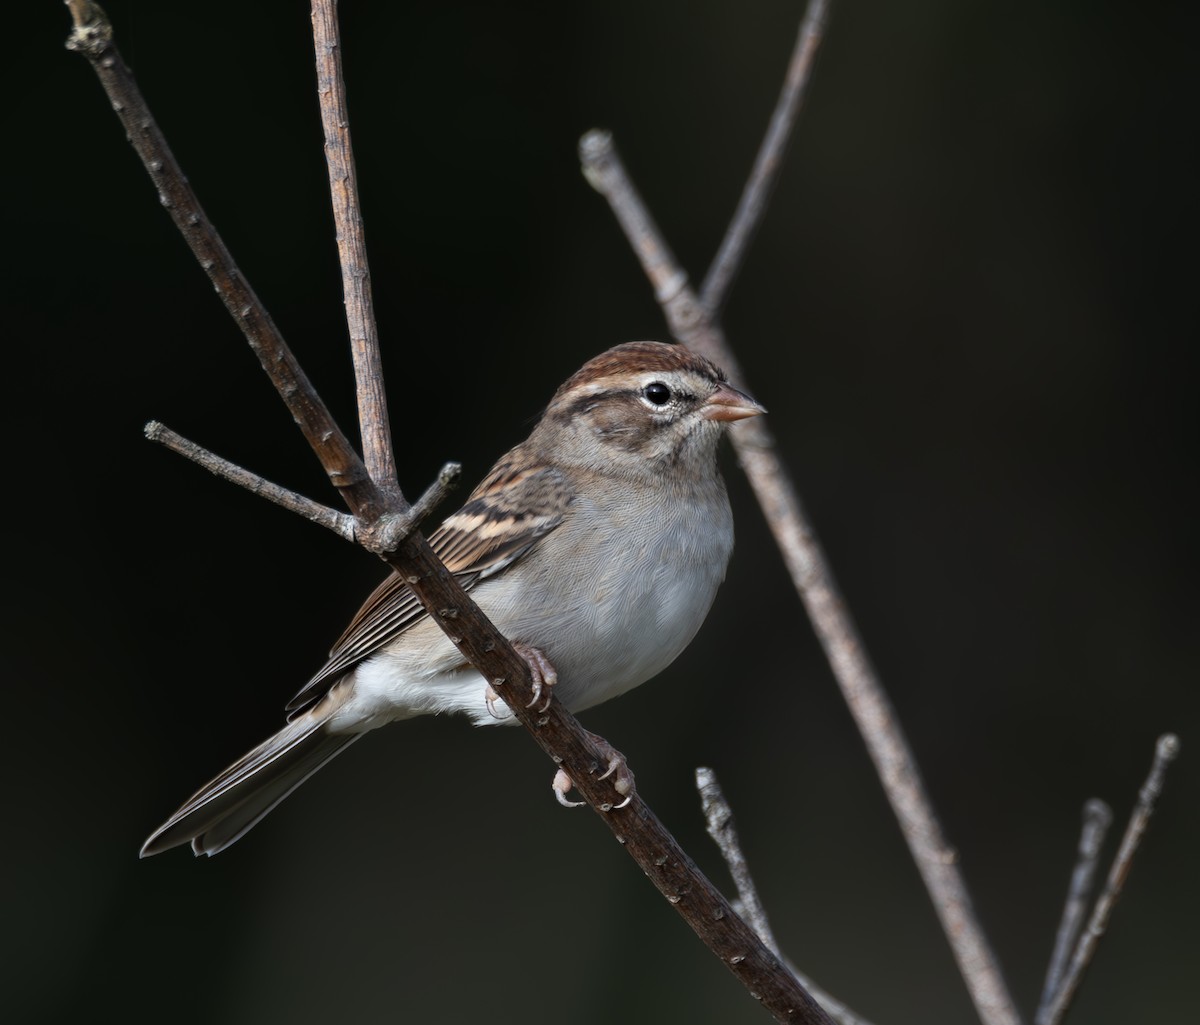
x=966, y=312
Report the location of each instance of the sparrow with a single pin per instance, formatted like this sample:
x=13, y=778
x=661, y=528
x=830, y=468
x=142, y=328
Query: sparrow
x=596, y=546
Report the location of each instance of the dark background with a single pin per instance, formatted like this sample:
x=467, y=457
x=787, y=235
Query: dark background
x=966, y=312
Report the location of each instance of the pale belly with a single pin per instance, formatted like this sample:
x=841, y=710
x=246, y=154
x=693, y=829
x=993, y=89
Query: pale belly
x=610, y=609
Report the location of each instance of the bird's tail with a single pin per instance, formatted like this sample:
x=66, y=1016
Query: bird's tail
x=222, y=810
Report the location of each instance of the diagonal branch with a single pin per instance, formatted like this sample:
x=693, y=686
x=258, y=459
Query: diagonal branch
x=340, y=523
x=760, y=184
x=380, y=521
x=718, y=817
x=861, y=688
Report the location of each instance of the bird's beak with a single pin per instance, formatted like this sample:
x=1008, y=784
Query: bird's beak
x=728, y=403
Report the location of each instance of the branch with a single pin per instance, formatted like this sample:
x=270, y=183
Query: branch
x=1097, y=817
x=92, y=37
x=861, y=688
x=761, y=182
x=1165, y=752
x=352, y=250
x=719, y=819
x=379, y=519
x=340, y=523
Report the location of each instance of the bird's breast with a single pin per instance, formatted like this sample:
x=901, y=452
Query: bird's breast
x=613, y=598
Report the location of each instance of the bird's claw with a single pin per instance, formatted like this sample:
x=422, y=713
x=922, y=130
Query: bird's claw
x=623, y=778
x=562, y=783
x=542, y=674
x=615, y=766
x=490, y=697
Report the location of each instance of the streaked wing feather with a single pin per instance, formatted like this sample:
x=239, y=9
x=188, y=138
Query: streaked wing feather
x=510, y=511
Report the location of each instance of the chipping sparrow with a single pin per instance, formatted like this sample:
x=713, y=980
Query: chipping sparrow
x=601, y=539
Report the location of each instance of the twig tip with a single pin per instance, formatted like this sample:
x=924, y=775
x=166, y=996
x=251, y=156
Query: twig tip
x=153, y=429
x=595, y=154
x=1097, y=811
x=92, y=30
x=450, y=475
x=595, y=143
x=1168, y=747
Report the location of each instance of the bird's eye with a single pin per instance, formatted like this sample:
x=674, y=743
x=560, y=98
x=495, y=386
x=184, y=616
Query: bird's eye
x=657, y=392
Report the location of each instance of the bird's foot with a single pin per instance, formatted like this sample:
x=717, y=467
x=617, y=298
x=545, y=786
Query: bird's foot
x=490, y=697
x=542, y=675
x=615, y=766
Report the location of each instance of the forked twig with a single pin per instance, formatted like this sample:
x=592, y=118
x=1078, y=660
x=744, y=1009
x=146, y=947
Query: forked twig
x=1165, y=752
x=380, y=519
x=1097, y=817
x=92, y=37
x=861, y=688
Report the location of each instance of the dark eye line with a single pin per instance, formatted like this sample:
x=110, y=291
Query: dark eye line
x=585, y=404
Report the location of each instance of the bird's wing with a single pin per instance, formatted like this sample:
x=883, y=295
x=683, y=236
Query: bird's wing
x=512, y=509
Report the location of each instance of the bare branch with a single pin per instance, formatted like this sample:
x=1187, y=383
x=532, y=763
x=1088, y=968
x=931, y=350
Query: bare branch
x=376, y=434
x=718, y=817
x=378, y=516
x=813, y=579
x=1097, y=817
x=447, y=480
x=1165, y=752
x=93, y=38
x=757, y=191
x=340, y=523
x=719, y=820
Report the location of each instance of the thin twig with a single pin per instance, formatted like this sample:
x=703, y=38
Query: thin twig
x=759, y=185
x=718, y=816
x=1165, y=752
x=340, y=523
x=376, y=434
x=813, y=579
x=554, y=729
x=447, y=480
x=1097, y=817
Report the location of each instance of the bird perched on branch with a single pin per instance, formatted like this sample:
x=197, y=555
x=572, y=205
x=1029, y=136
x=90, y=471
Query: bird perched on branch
x=596, y=546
